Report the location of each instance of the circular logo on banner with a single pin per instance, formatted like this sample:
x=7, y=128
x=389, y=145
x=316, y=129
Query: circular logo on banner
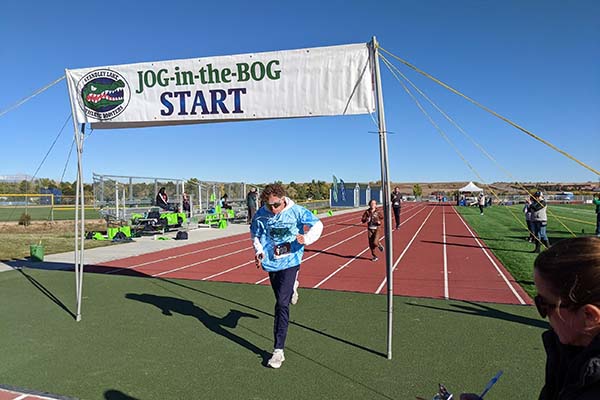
x=103, y=94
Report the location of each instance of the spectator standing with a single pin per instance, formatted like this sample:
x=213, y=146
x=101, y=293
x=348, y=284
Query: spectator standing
x=528, y=221
x=373, y=218
x=481, y=202
x=162, y=200
x=251, y=203
x=278, y=237
x=187, y=208
x=396, y=205
x=597, y=203
x=567, y=279
x=539, y=220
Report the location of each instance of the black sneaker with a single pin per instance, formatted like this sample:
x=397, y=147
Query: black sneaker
x=374, y=259
x=381, y=248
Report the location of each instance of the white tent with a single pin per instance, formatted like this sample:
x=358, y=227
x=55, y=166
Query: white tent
x=471, y=187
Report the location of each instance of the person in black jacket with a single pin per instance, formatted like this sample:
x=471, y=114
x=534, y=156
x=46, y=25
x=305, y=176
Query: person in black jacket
x=567, y=278
x=162, y=199
x=396, y=205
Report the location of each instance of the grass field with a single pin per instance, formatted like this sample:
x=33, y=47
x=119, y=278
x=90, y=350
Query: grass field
x=143, y=338
x=38, y=213
x=503, y=232
x=159, y=339
x=56, y=237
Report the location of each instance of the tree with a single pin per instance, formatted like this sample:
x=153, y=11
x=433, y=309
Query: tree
x=417, y=191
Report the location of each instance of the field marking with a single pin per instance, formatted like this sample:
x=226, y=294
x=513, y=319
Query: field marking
x=175, y=256
x=320, y=251
x=359, y=233
x=340, y=268
x=201, y=262
x=446, y=291
x=512, y=289
x=359, y=254
x=404, y=252
x=154, y=261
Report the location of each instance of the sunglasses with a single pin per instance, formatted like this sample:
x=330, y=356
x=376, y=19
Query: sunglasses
x=545, y=307
x=274, y=205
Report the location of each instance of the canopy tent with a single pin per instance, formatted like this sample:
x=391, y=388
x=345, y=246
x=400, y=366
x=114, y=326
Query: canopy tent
x=471, y=187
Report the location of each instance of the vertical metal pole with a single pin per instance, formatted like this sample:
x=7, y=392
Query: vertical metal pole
x=79, y=204
x=79, y=220
x=385, y=183
x=117, y=199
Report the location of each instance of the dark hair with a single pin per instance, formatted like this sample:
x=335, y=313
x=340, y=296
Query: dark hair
x=162, y=189
x=572, y=269
x=275, y=189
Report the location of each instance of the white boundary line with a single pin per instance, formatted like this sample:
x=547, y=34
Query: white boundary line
x=175, y=256
x=510, y=286
x=194, y=252
x=446, y=289
x=404, y=252
x=340, y=268
x=201, y=262
x=359, y=233
x=359, y=254
x=319, y=253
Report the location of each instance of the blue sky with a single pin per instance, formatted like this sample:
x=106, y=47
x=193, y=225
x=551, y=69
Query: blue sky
x=535, y=62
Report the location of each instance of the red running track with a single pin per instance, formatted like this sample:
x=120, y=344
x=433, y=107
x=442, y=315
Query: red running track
x=435, y=255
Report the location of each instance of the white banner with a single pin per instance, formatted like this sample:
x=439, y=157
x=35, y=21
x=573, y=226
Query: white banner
x=311, y=82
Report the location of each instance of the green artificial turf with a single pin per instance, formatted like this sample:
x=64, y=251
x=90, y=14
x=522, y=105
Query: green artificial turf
x=146, y=338
x=503, y=231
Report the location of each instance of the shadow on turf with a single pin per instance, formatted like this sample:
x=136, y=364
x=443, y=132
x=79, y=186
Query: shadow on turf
x=117, y=395
x=504, y=238
x=169, y=305
x=46, y=292
x=17, y=264
x=476, y=246
x=308, y=328
x=482, y=310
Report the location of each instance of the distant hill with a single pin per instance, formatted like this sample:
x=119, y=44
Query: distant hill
x=430, y=188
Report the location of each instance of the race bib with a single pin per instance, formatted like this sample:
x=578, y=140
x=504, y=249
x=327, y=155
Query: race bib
x=282, y=250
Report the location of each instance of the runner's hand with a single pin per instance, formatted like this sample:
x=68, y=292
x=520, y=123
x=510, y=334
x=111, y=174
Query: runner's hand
x=300, y=239
x=258, y=260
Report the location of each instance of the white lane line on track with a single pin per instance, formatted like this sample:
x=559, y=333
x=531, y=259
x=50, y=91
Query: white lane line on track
x=227, y=270
x=359, y=254
x=404, y=252
x=510, y=286
x=224, y=255
x=318, y=253
x=228, y=254
x=175, y=256
x=446, y=291
x=339, y=269
x=201, y=262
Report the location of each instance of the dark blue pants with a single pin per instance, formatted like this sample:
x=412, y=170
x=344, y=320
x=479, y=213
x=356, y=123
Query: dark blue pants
x=397, y=216
x=598, y=224
x=282, y=283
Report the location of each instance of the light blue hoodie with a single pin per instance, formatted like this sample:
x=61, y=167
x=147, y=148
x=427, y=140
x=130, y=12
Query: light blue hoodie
x=270, y=231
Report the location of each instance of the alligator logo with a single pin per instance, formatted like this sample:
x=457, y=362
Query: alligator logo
x=103, y=94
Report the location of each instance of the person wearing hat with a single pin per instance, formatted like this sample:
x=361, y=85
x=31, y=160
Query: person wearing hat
x=539, y=220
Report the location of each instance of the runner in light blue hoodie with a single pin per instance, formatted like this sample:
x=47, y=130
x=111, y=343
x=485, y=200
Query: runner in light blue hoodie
x=278, y=237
